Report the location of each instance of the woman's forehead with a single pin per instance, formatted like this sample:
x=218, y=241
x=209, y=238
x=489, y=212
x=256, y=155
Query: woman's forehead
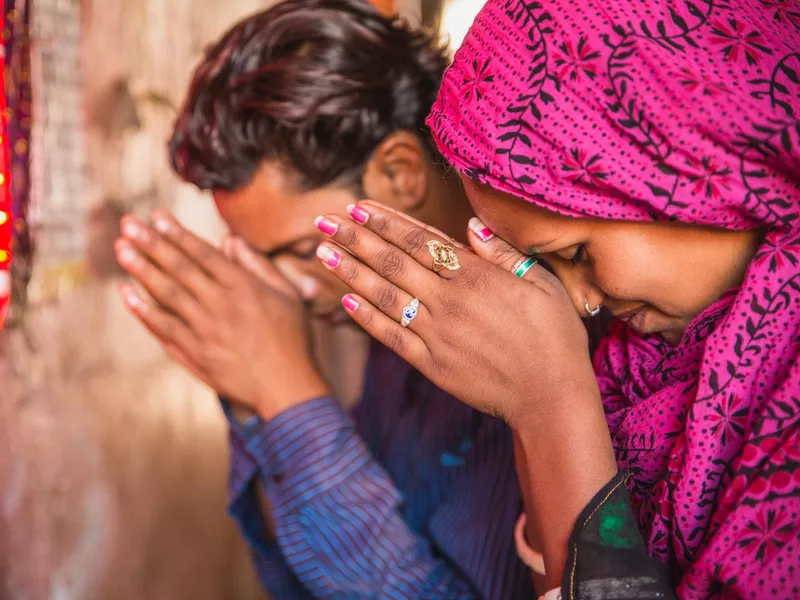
x=508, y=210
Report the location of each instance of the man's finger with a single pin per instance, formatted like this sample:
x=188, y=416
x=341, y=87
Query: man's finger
x=260, y=267
x=169, y=258
x=167, y=328
x=180, y=357
x=194, y=247
x=307, y=285
x=166, y=290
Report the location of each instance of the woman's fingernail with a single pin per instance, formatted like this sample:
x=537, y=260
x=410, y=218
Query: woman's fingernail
x=326, y=226
x=350, y=302
x=481, y=230
x=358, y=214
x=329, y=256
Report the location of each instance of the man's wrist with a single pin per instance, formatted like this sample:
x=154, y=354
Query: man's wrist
x=279, y=397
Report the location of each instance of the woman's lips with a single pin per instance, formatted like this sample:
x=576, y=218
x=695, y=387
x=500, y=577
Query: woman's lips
x=635, y=318
x=639, y=321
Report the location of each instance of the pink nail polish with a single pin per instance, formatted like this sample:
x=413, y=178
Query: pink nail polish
x=481, y=230
x=350, y=303
x=358, y=214
x=329, y=256
x=485, y=234
x=326, y=226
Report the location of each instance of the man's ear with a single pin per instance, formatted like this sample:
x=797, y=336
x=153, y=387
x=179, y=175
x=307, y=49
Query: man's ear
x=397, y=172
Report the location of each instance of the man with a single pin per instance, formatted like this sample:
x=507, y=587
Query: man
x=299, y=111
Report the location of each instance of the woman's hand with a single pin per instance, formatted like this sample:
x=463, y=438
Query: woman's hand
x=507, y=346
x=510, y=346
x=240, y=327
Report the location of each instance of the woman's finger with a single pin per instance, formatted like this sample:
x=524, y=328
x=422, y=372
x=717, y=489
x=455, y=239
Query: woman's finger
x=390, y=333
x=387, y=260
x=435, y=252
x=501, y=253
x=432, y=230
x=380, y=293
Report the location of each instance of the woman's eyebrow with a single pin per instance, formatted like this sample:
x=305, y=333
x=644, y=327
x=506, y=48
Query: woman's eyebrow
x=541, y=248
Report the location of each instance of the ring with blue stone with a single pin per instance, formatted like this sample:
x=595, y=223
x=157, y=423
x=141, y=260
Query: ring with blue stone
x=409, y=312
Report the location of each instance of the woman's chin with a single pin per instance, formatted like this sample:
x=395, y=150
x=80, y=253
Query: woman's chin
x=672, y=337
x=651, y=324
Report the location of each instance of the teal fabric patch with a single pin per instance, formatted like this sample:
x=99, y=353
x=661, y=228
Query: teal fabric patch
x=612, y=530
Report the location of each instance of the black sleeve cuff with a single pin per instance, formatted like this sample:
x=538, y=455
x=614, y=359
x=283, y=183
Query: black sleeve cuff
x=607, y=557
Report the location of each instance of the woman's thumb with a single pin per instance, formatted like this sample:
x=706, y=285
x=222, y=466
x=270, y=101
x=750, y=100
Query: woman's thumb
x=498, y=251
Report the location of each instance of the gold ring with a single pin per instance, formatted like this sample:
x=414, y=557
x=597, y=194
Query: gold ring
x=444, y=256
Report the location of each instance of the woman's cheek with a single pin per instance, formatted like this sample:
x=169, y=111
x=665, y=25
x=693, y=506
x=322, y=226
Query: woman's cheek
x=621, y=278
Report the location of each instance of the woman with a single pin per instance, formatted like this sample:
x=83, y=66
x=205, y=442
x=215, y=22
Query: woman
x=297, y=110
x=650, y=156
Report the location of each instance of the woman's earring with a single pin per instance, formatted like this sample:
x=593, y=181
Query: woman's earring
x=593, y=312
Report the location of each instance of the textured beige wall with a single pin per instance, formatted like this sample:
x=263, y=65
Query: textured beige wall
x=112, y=461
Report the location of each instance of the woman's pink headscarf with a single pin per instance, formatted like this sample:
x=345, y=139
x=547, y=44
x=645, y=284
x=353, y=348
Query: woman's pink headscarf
x=684, y=110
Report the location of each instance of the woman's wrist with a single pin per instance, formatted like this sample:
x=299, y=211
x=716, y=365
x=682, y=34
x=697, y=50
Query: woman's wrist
x=566, y=392
x=569, y=458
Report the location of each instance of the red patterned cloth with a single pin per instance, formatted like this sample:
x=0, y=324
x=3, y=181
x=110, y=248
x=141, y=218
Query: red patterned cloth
x=5, y=199
x=687, y=111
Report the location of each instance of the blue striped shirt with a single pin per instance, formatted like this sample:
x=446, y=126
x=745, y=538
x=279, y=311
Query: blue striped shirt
x=414, y=495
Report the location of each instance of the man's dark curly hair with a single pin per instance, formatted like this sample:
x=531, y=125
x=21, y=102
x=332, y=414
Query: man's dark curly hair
x=314, y=84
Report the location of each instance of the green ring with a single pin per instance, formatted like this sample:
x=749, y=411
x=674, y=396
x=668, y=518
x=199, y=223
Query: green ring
x=525, y=267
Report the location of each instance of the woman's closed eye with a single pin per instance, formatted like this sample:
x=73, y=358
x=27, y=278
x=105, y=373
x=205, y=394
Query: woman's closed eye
x=580, y=254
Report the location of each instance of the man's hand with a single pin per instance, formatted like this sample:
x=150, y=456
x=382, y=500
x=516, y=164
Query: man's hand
x=240, y=327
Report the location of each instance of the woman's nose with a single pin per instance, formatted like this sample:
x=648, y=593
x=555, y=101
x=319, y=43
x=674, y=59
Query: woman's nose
x=586, y=296
x=592, y=302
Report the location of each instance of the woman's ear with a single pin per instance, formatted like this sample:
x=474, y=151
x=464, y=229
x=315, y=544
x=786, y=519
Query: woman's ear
x=397, y=172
